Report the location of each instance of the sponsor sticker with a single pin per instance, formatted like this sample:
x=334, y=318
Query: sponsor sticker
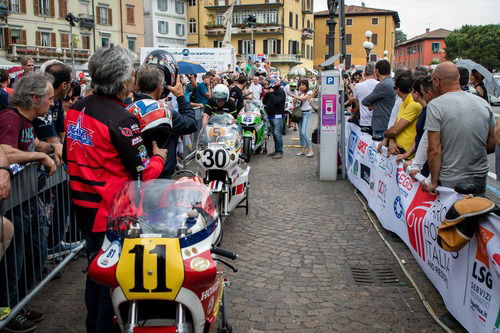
x=126, y=131
x=136, y=140
x=200, y=264
x=110, y=257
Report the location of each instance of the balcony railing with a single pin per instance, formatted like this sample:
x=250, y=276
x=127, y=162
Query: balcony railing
x=278, y=58
x=261, y=28
x=46, y=52
x=212, y=4
x=307, y=33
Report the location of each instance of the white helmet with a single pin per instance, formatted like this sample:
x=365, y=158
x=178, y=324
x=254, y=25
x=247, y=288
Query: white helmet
x=221, y=91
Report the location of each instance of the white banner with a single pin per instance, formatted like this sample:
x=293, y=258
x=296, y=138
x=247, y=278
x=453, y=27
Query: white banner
x=469, y=280
x=209, y=58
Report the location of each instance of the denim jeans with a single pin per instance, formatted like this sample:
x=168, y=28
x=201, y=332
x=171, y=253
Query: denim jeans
x=277, y=125
x=97, y=297
x=25, y=258
x=303, y=125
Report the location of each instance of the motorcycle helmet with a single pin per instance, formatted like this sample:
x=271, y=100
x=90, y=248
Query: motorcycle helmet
x=221, y=92
x=166, y=62
x=293, y=85
x=155, y=121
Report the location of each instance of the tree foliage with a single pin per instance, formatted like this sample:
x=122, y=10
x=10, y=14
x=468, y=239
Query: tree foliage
x=480, y=43
x=400, y=37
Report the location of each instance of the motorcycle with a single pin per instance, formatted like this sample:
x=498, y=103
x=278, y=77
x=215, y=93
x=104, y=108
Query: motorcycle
x=160, y=259
x=224, y=169
x=255, y=131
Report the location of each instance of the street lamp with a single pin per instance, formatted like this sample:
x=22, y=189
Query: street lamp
x=367, y=45
x=72, y=19
x=250, y=21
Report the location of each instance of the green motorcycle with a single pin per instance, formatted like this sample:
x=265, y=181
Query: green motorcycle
x=254, y=127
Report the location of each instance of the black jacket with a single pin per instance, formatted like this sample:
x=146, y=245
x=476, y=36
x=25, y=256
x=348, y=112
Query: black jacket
x=183, y=123
x=274, y=102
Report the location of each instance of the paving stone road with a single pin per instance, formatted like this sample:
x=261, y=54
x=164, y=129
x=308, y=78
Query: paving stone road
x=298, y=246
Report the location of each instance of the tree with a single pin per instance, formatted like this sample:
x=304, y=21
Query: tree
x=400, y=37
x=480, y=43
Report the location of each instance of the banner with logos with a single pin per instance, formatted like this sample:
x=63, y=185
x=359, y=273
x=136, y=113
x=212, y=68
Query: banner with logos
x=468, y=280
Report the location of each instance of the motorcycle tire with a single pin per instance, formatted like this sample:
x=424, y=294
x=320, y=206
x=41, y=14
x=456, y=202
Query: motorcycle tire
x=247, y=148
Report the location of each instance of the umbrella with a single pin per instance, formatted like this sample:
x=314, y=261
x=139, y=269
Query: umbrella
x=489, y=81
x=186, y=67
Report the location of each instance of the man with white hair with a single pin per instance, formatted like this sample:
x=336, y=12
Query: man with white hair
x=104, y=150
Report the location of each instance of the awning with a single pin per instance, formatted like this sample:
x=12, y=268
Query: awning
x=4, y=63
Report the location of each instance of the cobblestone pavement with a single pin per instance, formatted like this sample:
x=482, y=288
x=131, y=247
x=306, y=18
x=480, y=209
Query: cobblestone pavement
x=297, y=247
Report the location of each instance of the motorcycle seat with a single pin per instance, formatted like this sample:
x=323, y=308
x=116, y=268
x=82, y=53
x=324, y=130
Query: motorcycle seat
x=466, y=188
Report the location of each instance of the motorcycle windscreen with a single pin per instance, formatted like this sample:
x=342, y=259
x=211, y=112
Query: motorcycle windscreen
x=220, y=131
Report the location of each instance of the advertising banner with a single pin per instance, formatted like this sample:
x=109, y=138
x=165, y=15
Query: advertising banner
x=468, y=280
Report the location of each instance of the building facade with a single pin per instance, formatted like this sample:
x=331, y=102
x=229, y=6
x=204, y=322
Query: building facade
x=38, y=28
x=381, y=22
x=426, y=49
x=283, y=33
x=165, y=23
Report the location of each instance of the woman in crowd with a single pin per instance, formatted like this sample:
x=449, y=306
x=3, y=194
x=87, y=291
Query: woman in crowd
x=305, y=96
x=477, y=81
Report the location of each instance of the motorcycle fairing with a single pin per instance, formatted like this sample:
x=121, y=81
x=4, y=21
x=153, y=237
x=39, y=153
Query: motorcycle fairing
x=215, y=185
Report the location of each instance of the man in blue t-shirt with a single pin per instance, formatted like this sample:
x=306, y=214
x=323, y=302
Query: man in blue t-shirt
x=203, y=90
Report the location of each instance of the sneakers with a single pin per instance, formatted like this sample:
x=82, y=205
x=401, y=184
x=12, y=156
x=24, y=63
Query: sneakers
x=272, y=154
x=61, y=249
x=277, y=156
x=311, y=154
x=20, y=324
x=33, y=315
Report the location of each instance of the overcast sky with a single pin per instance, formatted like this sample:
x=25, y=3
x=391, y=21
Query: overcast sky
x=416, y=15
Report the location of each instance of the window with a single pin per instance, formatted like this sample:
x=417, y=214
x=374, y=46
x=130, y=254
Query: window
x=15, y=36
x=271, y=46
x=217, y=43
x=192, y=26
x=244, y=46
x=296, y=21
x=192, y=3
x=348, y=60
x=131, y=45
x=85, y=42
x=436, y=47
x=64, y=40
x=43, y=7
x=163, y=27
x=130, y=15
x=373, y=57
x=179, y=7
x=221, y=2
x=374, y=20
x=374, y=39
x=103, y=17
x=104, y=41
x=15, y=6
x=44, y=38
x=348, y=39
x=162, y=5
x=290, y=20
x=348, y=21
x=63, y=8
x=179, y=29
x=293, y=47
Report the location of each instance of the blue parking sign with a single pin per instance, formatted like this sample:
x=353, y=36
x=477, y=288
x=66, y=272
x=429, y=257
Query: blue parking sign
x=329, y=80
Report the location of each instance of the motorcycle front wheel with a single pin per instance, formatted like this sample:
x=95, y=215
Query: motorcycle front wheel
x=247, y=148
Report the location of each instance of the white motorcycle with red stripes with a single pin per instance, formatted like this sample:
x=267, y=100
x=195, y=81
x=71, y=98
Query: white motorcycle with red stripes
x=224, y=169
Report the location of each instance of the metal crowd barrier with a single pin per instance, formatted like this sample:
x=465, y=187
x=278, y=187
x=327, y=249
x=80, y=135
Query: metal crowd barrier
x=45, y=235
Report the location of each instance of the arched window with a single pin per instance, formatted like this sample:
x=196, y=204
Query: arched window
x=192, y=26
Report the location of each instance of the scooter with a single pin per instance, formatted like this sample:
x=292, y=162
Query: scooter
x=160, y=259
x=255, y=131
x=224, y=169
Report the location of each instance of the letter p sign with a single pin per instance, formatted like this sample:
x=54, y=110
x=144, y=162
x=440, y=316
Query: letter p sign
x=329, y=80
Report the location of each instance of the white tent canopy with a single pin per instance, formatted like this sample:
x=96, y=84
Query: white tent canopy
x=4, y=63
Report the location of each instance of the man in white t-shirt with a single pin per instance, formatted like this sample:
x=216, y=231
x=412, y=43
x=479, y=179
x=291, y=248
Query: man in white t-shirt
x=256, y=90
x=363, y=89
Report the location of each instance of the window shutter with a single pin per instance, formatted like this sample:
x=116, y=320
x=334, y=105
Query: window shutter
x=98, y=14
x=64, y=40
x=374, y=39
x=278, y=47
x=53, y=42
x=38, y=38
x=7, y=37
x=36, y=8
x=63, y=8
x=265, y=46
x=348, y=39
x=23, y=37
x=110, y=17
x=52, y=9
x=23, y=6
x=240, y=46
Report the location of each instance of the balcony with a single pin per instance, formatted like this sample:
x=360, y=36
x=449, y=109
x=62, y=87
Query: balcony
x=4, y=8
x=46, y=52
x=307, y=33
x=221, y=4
x=261, y=28
x=87, y=22
x=307, y=8
x=292, y=59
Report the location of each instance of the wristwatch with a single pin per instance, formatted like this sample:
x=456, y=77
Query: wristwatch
x=9, y=170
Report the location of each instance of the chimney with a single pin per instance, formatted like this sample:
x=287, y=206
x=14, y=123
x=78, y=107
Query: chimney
x=427, y=30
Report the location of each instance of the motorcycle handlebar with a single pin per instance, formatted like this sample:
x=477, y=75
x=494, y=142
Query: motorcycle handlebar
x=224, y=253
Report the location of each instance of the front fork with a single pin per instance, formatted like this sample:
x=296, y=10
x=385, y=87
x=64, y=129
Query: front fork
x=132, y=317
x=180, y=316
x=225, y=208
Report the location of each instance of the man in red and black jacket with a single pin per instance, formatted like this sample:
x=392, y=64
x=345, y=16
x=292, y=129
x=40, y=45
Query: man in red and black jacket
x=104, y=150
